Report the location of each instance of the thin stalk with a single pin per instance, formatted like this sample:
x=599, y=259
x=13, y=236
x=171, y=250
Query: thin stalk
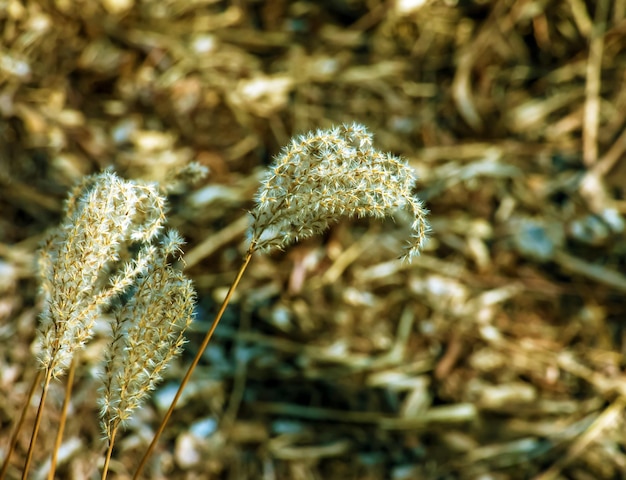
x=20, y=424
x=33, y=437
x=107, y=459
x=63, y=419
x=195, y=362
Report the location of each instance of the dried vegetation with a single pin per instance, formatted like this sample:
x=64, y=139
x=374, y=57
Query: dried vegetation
x=498, y=353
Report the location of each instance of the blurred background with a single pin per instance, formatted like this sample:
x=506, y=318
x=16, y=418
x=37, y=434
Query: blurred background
x=497, y=354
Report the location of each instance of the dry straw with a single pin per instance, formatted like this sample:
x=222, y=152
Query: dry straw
x=319, y=178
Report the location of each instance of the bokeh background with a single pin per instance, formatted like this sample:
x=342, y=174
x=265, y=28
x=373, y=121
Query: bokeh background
x=497, y=354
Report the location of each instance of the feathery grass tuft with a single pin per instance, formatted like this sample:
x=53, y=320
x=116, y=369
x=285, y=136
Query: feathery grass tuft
x=104, y=214
x=329, y=174
x=147, y=333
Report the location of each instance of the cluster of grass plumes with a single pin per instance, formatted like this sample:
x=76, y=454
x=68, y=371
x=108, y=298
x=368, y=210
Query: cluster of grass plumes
x=110, y=255
x=328, y=174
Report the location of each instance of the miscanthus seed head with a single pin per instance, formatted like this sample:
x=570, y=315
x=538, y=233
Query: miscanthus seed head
x=329, y=174
x=79, y=263
x=147, y=332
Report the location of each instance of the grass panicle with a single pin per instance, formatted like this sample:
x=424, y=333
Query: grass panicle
x=323, y=176
x=110, y=254
x=147, y=333
x=103, y=216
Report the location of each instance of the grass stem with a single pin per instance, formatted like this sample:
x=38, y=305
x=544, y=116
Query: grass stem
x=63, y=419
x=107, y=459
x=33, y=437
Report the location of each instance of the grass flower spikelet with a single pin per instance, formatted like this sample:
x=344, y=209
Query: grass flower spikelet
x=104, y=214
x=147, y=332
x=329, y=174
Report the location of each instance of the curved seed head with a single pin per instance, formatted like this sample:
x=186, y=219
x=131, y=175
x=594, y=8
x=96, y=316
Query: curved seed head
x=323, y=176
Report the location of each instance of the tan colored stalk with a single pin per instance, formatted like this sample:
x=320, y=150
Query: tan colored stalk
x=63, y=419
x=107, y=457
x=34, y=434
